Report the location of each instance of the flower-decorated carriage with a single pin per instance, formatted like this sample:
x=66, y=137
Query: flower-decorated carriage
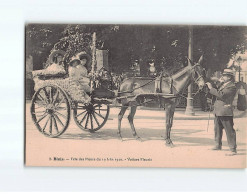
x=57, y=95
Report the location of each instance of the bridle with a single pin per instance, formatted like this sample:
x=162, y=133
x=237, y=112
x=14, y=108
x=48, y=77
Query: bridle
x=196, y=80
x=199, y=75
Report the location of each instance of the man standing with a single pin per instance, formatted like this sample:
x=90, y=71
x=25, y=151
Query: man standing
x=223, y=111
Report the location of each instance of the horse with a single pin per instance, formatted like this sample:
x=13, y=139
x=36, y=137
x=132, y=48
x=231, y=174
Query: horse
x=134, y=91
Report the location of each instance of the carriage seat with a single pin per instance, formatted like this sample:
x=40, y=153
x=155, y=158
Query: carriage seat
x=103, y=93
x=44, y=74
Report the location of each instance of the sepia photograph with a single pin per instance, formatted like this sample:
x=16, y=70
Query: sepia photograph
x=118, y=95
x=123, y=96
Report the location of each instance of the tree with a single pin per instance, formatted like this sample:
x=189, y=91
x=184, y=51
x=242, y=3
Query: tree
x=166, y=45
x=40, y=39
x=218, y=44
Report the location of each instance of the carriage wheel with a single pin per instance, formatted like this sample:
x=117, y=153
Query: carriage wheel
x=50, y=110
x=91, y=117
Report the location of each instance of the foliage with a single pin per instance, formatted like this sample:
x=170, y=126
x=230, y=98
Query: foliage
x=167, y=46
x=219, y=44
x=40, y=39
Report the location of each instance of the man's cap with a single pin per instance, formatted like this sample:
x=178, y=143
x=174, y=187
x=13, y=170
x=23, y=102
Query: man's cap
x=229, y=72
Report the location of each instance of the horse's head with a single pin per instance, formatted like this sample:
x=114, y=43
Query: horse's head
x=198, y=74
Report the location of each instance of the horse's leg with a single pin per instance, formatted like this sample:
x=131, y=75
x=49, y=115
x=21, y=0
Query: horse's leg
x=169, y=119
x=131, y=119
x=120, y=117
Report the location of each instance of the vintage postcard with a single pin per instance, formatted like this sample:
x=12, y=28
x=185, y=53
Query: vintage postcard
x=135, y=95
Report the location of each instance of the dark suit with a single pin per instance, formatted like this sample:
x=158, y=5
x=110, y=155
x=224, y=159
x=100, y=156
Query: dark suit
x=223, y=111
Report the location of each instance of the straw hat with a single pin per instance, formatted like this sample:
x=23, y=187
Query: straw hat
x=55, y=54
x=84, y=54
x=73, y=59
x=229, y=72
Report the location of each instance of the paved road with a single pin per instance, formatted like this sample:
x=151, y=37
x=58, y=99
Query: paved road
x=191, y=139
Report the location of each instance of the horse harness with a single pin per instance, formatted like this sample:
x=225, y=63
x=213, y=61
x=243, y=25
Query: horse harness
x=159, y=80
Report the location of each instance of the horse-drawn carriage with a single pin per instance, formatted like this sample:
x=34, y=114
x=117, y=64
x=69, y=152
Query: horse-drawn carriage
x=53, y=103
x=54, y=100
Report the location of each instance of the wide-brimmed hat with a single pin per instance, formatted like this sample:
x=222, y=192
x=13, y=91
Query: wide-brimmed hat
x=229, y=72
x=84, y=54
x=55, y=54
x=73, y=59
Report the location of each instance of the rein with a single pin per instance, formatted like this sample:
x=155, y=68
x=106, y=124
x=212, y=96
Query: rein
x=137, y=87
x=195, y=80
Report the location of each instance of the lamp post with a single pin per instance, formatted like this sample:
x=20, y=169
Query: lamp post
x=94, y=62
x=189, y=108
x=93, y=52
x=239, y=66
x=239, y=73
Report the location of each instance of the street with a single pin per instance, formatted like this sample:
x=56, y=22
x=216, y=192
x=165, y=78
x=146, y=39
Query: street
x=192, y=142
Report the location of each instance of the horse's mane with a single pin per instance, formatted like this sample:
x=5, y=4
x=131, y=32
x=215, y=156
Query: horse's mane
x=180, y=72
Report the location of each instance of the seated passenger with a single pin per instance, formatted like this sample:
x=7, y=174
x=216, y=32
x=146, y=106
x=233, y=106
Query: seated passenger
x=55, y=66
x=56, y=60
x=79, y=81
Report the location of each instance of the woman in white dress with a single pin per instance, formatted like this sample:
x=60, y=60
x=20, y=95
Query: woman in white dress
x=55, y=65
x=79, y=81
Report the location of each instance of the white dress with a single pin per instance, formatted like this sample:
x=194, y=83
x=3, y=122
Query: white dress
x=79, y=83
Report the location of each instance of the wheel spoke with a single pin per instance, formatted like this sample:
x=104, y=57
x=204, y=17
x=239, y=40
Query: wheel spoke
x=62, y=115
x=55, y=124
x=99, y=115
x=87, y=121
x=42, y=99
x=91, y=119
x=47, y=96
x=38, y=112
x=55, y=98
x=51, y=97
x=40, y=106
x=81, y=113
x=96, y=119
x=43, y=116
x=83, y=119
x=61, y=108
x=102, y=109
x=60, y=102
x=81, y=108
x=97, y=107
x=50, y=125
x=43, y=129
x=78, y=106
x=58, y=119
x=38, y=115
